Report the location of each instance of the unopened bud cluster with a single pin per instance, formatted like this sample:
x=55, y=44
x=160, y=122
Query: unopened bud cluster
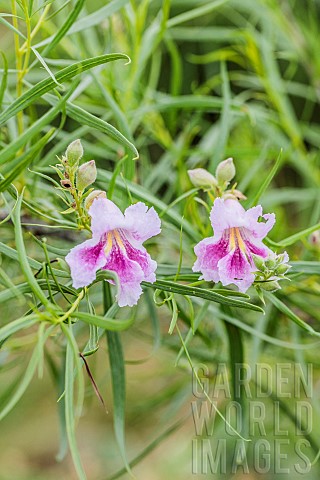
x=76, y=178
x=72, y=174
x=219, y=183
x=270, y=271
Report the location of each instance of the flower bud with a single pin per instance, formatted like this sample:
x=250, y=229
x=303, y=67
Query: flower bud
x=86, y=175
x=74, y=153
x=200, y=177
x=92, y=197
x=314, y=239
x=271, y=286
x=271, y=262
x=225, y=171
x=282, y=269
x=259, y=262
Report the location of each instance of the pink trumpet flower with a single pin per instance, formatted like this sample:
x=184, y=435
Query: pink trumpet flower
x=227, y=256
x=116, y=245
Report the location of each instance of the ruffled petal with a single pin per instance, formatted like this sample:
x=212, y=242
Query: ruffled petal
x=142, y=257
x=141, y=222
x=209, y=251
x=105, y=216
x=130, y=276
x=259, y=229
x=235, y=268
x=226, y=214
x=84, y=260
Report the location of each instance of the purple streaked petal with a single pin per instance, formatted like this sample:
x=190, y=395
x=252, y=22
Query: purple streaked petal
x=256, y=247
x=84, y=260
x=235, y=268
x=141, y=222
x=130, y=276
x=141, y=256
x=209, y=252
x=105, y=216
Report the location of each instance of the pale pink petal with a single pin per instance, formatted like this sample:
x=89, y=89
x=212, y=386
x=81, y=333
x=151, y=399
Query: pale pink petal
x=209, y=252
x=261, y=229
x=130, y=276
x=226, y=214
x=141, y=222
x=285, y=257
x=252, y=215
x=84, y=260
x=235, y=268
x=105, y=216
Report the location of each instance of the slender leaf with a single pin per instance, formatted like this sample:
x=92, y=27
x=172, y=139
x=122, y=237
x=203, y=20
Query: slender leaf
x=48, y=84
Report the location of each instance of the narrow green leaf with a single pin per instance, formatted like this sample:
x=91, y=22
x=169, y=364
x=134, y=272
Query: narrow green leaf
x=64, y=27
x=4, y=79
x=69, y=408
x=195, y=13
x=150, y=448
x=88, y=119
x=103, y=322
x=25, y=159
x=48, y=84
x=95, y=18
x=309, y=268
x=16, y=325
x=296, y=237
x=30, y=371
x=267, y=181
x=22, y=256
x=282, y=307
x=9, y=151
x=118, y=390
x=11, y=27
x=211, y=295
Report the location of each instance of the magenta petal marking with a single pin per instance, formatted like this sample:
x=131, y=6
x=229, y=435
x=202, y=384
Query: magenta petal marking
x=209, y=253
x=260, y=250
x=116, y=245
x=84, y=260
x=235, y=268
x=130, y=276
x=141, y=256
x=227, y=256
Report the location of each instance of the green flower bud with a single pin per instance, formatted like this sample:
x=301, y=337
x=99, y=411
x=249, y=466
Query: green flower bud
x=225, y=171
x=92, y=196
x=271, y=263
x=271, y=286
x=200, y=177
x=259, y=262
x=74, y=153
x=282, y=269
x=86, y=175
